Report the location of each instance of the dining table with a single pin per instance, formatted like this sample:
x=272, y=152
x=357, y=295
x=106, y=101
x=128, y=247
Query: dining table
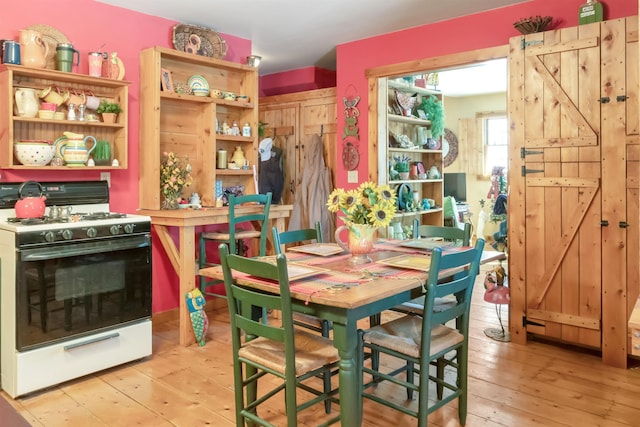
x=332, y=288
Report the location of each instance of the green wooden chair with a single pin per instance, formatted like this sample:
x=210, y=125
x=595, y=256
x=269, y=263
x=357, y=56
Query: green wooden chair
x=422, y=342
x=300, y=319
x=240, y=229
x=458, y=236
x=293, y=355
x=299, y=236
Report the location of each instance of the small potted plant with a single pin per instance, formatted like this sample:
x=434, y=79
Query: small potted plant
x=402, y=166
x=102, y=153
x=109, y=111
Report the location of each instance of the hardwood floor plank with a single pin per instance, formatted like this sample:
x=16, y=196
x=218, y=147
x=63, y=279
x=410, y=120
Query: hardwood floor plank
x=534, y=385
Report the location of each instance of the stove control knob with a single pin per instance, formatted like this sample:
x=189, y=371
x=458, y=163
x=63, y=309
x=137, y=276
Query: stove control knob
x=49, y=236
x=128, y=228
x=67, y=234
x=114, y=230
x=92, y=232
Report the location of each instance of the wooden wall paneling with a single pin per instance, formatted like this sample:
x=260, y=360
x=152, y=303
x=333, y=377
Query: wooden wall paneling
x=614, y=292
x=294, y=118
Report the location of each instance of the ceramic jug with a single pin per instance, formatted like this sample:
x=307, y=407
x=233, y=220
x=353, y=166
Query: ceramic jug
x=73, y=148
x=34, y=50
x=26, y=102
x=238, y=157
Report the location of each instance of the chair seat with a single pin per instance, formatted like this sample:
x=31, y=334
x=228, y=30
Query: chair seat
x=415, y=306
x=312, y=352
x=404, y=335
x=308, y=321
x=225, y=235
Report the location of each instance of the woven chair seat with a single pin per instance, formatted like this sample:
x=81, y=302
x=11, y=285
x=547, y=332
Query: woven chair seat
x=224, y=235
x=415, y=306
x=312, y=352
x=404, y=335
x=307, y=320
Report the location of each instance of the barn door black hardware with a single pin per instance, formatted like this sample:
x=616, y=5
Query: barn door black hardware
x=525, y=171
x=524, y=152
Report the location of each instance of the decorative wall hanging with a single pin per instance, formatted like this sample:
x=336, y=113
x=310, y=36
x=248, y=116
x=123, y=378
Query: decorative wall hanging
x=199, y=40
x=449, y=147
x=350, y=154
x=350, y=134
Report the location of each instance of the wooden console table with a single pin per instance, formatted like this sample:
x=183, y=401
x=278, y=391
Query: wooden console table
x=183, y=257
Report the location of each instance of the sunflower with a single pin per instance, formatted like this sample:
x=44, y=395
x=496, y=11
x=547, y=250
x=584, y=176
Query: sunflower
x=369, y=204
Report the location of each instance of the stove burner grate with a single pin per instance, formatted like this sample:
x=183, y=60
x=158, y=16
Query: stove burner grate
x=74, y=217
x=37, y=221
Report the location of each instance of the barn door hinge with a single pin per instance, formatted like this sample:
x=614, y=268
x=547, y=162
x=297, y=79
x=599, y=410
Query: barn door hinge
x=526, y=322
x=604, y=223
x=604, y=100
x=621, y=98
x=622, y=224
x=524, y=152
x=525, y=171
x=524, y=44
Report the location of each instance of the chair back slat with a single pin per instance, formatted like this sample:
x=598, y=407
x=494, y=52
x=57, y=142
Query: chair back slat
x=235, y=202
x=295, y=236
x=460, y=236
x=241, y=298
x=466, y=262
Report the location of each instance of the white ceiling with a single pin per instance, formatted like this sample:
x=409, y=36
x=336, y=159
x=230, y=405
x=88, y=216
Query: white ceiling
x=292, y=34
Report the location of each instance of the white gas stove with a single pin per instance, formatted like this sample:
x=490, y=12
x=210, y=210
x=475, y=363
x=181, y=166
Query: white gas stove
x=76, y=286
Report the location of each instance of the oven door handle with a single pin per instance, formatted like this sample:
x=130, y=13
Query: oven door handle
x=87, y=248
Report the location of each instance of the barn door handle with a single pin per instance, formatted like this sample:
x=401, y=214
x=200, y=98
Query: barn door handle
x=623, y=224
x=621, y=98
x=604, y=223
x=604, y=100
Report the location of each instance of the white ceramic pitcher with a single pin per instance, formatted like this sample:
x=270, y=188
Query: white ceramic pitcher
x=26, y=102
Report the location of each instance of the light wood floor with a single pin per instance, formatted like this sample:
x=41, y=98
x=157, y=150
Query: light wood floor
x=510, y=385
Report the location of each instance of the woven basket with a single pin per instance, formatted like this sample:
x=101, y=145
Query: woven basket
x=206, y=41
x=532, y=24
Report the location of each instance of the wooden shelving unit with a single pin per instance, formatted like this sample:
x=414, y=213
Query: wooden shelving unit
x=391, y=121
x=186, y=124
x=16, y=128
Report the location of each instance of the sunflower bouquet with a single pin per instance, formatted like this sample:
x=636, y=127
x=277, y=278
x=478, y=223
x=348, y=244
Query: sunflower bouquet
x=369, y=204
x=173, y=178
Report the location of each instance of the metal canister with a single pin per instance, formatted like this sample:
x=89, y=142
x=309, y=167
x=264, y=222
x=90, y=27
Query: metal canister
x=95, y=63
x=222, y=159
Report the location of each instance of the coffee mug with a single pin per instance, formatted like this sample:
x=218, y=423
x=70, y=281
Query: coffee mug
x=52, y=94
x=65, y=54
x=92, y=102
x=77, y=98
x=95, y=63
x=11, y=52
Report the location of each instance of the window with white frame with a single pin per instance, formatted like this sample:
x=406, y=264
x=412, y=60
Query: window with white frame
x=495, y=138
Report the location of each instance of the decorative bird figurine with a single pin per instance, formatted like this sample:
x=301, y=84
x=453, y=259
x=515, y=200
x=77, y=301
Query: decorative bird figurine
x=199, y=320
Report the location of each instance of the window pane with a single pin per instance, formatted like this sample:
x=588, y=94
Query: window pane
x=496, y=139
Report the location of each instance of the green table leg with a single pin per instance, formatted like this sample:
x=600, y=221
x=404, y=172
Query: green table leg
x=344, y=338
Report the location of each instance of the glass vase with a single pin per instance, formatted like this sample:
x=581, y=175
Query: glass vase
x=360, y=242
x=170, y=201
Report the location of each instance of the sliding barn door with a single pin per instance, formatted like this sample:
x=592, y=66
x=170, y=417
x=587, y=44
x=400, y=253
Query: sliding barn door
x=568, y=209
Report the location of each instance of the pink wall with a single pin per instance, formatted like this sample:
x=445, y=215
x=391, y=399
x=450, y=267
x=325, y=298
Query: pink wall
x=92, y=26
x=483, y=30
x=308, y=78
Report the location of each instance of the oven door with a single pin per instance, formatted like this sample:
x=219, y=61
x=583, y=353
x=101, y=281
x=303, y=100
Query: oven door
x=75, y=289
